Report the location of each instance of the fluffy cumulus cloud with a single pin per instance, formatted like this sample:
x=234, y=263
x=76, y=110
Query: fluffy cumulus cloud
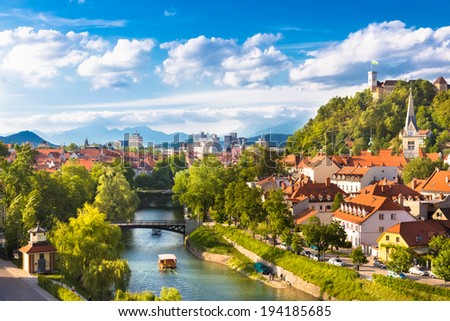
x=401, y=52
x=224, y=61
x=117, y=67
x=38, y=57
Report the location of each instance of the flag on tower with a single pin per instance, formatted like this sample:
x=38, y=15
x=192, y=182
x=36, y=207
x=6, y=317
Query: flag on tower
x=374, y=62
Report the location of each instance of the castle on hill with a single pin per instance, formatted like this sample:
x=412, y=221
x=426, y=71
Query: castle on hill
x=382, y=88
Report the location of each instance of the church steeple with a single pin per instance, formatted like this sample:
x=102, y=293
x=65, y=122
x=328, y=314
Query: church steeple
x=410, y=123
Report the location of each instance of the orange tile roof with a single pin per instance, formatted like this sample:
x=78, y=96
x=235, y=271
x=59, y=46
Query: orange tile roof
x=419, y=233
x=390, y=189
x=439, y=181
x=433, y=156
x=368, y=203
x=366, y=159
x=31, y=248
x=319, y=191
x=417, y=184
x=304, y=216
x=353, y=170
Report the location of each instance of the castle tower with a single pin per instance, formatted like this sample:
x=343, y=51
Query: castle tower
x=372, y=80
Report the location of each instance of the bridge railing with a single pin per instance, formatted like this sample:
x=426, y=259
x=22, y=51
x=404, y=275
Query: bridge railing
x=149, y=222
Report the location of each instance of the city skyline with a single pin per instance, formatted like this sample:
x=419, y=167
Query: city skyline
x=217, y=67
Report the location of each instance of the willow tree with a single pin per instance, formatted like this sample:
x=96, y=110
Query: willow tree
x=89, y=249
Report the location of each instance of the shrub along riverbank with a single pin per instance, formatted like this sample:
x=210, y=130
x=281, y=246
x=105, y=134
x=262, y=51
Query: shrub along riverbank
x=341, y=283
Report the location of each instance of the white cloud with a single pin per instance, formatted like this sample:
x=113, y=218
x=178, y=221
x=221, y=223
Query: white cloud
x=224, y=61
x=170, y=12
x=38, y=56
x=399, y=50
x=117, y=67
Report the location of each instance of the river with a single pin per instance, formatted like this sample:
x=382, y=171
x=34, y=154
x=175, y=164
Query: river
x=196, y=280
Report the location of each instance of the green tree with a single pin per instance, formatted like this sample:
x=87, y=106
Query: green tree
x=358, y=257
x=297, y=242
x=420, y=168
x=139, y=296
x=169, y=294
x=4, y=151
x=85, y=241
x=322, y=235
x=338, y=199
x=279, y=217
x=441, y=265
x=101, y=277
x=115, y=196
x=401, y=258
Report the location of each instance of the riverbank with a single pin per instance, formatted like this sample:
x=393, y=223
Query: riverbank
x=281, y=279
x=233, y=260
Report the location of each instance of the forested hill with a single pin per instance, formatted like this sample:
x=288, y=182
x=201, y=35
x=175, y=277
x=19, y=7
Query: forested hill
x=366, y=122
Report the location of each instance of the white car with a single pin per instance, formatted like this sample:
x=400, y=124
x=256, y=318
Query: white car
x=418, y=271
x=336, y=261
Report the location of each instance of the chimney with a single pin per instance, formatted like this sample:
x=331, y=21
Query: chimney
x=446, y=179
x=382, y=188
x=283, y=185
x=414, y=184
x=328, y=182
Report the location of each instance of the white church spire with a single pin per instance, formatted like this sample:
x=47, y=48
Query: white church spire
x=410, y=123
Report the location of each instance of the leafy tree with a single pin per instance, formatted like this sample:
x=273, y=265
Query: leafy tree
x=15, y=177
x=297, y=242
x=358, y=257
x=279, y=217
x=338, y=199
x=139, y=296
x=85, y=241
x=3, y=149
x=115, y=197
x=420, y=168
x=439, y=243
x=401, y=258
x=79, y=183
x=99, y=278
x=322, y=235
x=169, y=294
x=198, y=188
x=441, y=265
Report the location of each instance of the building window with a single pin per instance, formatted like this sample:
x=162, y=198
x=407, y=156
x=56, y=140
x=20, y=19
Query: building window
x=397, y=239
x=393, y=216
x=411, y=145
x=381, y=229
x=381, y=217
x=387, y=237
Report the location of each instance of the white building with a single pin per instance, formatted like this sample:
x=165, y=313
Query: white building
x=366, y=217
x=352, y=179
x=319, y=168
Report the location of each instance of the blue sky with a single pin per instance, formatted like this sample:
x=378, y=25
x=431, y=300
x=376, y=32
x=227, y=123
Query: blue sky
x=216, y=66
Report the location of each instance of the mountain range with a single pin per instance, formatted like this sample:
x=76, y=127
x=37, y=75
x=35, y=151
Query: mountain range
x=102, y=135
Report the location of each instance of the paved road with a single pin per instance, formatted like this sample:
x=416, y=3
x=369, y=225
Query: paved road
x=17, y=285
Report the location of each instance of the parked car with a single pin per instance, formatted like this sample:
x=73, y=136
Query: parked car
x=434, y=276
x=262, y=268
x=305, y=253
x=396, y=275
x=336, y=261
x=379, y=264
x=417, y=270
x=316, y=257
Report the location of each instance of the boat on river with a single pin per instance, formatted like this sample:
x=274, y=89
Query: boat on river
x=156, y=231
x=167, y=261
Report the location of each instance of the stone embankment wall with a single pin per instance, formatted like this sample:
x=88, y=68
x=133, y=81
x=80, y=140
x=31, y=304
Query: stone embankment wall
x=218, y=258
x=284, y=274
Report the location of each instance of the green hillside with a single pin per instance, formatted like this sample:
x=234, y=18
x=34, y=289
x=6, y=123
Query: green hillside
x=353, y=124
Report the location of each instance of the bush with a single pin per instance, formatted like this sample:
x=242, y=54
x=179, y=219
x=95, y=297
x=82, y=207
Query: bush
x=58, y=292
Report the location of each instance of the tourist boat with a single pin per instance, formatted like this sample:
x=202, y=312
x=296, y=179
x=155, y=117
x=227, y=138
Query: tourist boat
x=156, y=231
x=167, y=261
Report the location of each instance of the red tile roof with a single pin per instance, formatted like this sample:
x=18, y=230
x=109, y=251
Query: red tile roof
x=439, y=181
x=391, y=190
x=304, y=216
x=363, y=206
x=31, y=248
x=419, y=233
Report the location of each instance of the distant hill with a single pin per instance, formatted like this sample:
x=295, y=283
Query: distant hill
x=101, y=135
x=23, y=137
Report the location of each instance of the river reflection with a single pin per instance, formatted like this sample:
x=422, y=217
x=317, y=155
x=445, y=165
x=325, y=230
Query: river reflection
x=196, y=280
